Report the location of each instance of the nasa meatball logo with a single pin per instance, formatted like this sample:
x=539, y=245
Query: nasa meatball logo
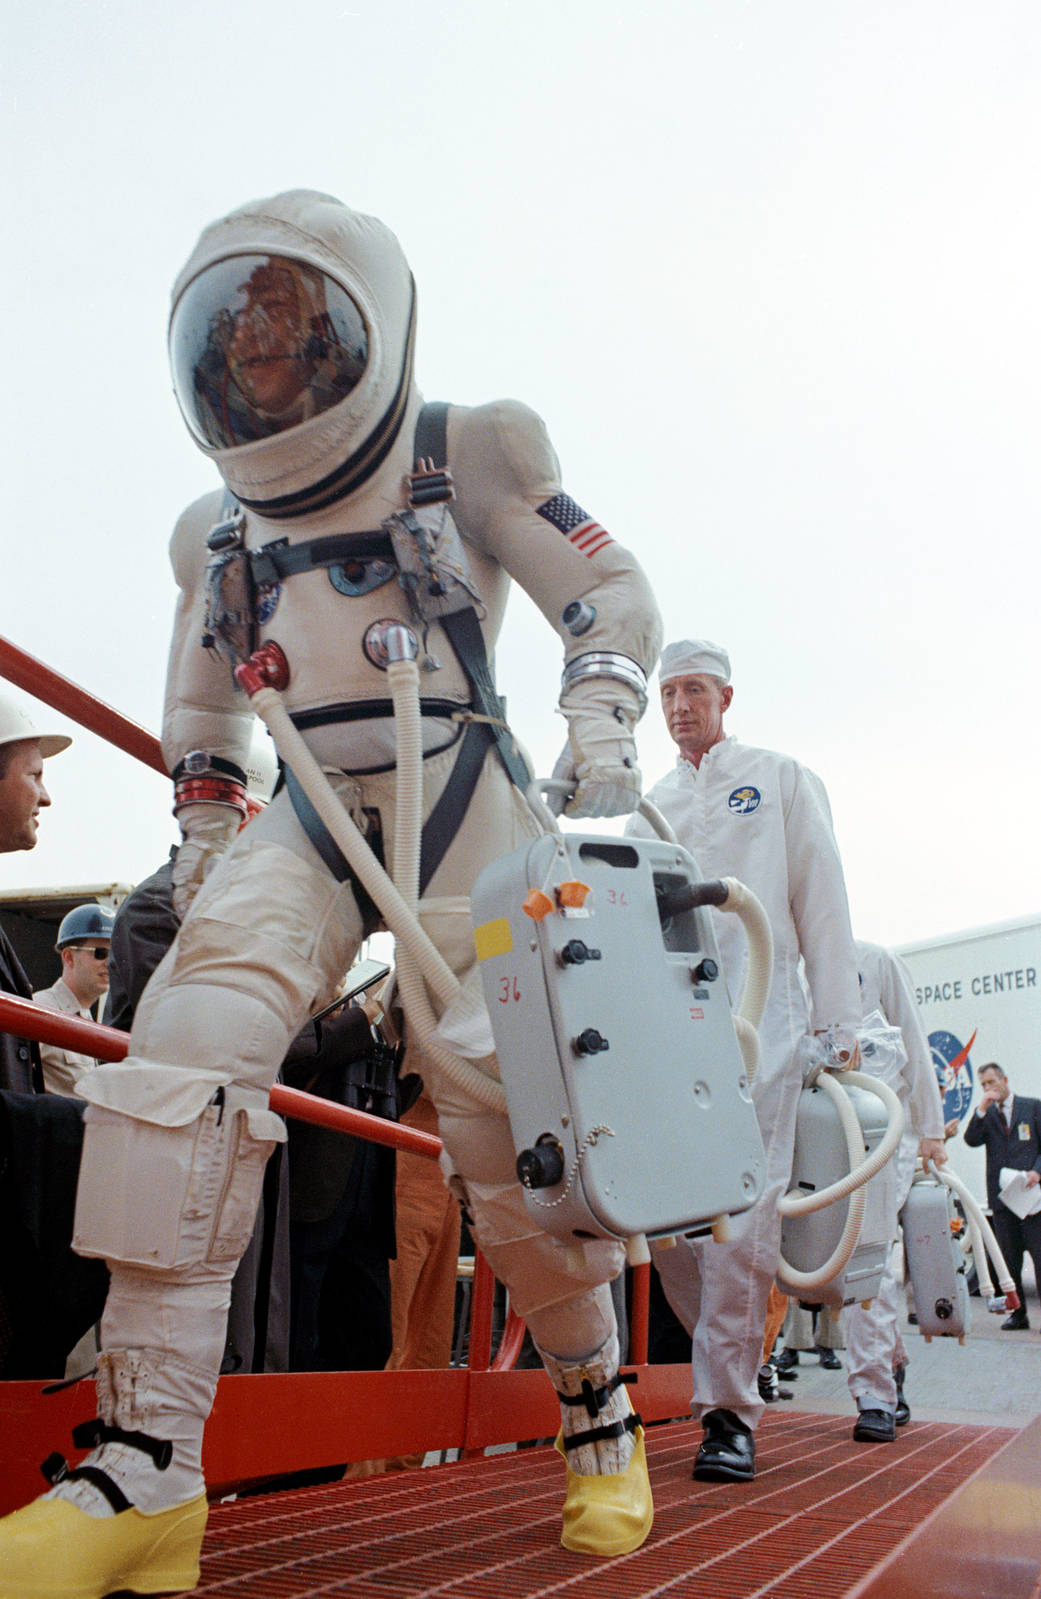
x=953, y=1073
x=743, y=801
x=268, y=596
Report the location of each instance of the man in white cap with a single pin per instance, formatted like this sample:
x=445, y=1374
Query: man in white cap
x=23, y=750
x=763, y=818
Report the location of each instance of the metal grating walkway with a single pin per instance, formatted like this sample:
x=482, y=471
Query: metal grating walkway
x=821, y=1512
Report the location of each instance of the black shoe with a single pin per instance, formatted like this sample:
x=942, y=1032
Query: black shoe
x=786, y=1363
x=874, y=1427
x=902, y=1414
x=728, y=1451
x=1019, y=1321
x=770, y=1389
x=912, y=1318
x=829, y=1359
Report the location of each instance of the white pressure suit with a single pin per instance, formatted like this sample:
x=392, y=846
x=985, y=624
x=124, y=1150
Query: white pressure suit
x=317, y=446
x=874, y=1346
x=763, y=818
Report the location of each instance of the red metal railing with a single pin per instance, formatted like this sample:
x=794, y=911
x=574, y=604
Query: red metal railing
x=61, y=694
x=26, y=1020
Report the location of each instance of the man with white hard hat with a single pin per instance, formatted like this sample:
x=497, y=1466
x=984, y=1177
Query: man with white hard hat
x=761, y=817
x=23, y=750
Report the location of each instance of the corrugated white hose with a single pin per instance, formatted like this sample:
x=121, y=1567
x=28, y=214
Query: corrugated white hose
x=978, y=1226
x=403, y=681
x=852, y=1184
x=402, y=923
x=749, y=1010
x=789, y=1276
x=413, y=941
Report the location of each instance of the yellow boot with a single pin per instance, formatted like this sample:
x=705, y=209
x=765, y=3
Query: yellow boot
x=608, y=1515
x=54, y=1550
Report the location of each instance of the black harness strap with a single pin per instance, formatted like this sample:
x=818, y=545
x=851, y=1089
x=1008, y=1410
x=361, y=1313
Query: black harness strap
x=431, y=440
x=464, y=634
x=462, y=627
x=330, y=851
x=442, y=824
x=278, y=559
x=366, y=710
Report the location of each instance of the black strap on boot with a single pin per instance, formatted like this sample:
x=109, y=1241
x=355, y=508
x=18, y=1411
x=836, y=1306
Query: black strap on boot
x=593, y=1401
x=90, y=1435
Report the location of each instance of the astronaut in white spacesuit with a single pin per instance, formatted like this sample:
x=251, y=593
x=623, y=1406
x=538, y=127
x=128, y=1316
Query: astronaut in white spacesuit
x=763, y=818
x=291, y=339
x=876, y=1357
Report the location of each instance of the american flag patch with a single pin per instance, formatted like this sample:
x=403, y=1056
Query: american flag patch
x=577, y=526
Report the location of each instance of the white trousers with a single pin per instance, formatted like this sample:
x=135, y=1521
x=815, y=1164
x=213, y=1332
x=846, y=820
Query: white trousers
x=719, y=1291
x=267, y=941
x=874, y=1345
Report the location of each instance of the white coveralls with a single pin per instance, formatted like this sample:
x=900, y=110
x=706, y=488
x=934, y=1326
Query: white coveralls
x=270, y=932
x=763, y=818
x=874, y=1346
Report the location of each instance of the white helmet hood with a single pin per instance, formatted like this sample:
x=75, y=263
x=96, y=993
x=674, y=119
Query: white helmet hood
x=320, y=460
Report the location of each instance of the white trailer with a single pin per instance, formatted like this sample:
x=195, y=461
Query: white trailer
x=979, y=993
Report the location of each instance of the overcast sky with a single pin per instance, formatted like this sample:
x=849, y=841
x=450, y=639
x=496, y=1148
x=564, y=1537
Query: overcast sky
x=770, y=272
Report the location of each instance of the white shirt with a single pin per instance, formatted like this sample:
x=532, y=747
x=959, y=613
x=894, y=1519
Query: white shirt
x=62, y=1068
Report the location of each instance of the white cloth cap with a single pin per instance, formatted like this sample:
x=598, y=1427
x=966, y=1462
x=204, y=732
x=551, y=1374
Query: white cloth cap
x=690, y=655
x=16, y=724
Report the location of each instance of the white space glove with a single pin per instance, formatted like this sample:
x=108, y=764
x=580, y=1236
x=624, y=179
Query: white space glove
x=207, y=831
x=600, y=754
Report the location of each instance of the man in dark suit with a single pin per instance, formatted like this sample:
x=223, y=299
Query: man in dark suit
x=1009, y=1127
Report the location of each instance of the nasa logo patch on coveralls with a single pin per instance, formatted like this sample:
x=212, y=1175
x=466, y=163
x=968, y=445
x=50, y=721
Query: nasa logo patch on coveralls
x=745, y=800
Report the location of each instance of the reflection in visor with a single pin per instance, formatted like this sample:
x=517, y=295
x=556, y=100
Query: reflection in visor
x=261, y=343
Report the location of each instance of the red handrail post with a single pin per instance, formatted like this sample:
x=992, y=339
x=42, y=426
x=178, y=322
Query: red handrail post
x=640, y=1314
x=482, y=1301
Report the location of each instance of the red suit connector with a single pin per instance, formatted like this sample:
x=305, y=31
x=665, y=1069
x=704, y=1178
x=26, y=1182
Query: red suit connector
x=266, y=668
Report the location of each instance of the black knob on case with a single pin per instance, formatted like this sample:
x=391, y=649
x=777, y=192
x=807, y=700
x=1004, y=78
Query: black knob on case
x=542, y=1166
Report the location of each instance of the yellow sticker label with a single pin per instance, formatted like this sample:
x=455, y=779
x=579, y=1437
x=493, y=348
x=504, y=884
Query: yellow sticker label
x=493, y=938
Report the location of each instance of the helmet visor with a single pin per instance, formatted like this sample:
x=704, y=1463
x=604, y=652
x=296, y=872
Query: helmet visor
x=261, y=343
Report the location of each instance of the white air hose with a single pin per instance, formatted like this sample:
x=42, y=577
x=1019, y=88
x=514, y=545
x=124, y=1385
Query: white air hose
x=981, y=1233
x=860, y=1173
x=403, y=680
x=397, y=914
x=758, y=974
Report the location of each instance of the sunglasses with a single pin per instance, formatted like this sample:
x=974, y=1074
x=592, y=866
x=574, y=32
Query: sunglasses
x=99, y=954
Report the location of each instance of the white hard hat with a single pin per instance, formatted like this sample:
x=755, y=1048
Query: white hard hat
x=689, y=656
x=16, y=724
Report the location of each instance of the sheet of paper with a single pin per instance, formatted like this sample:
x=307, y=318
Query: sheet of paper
x=1015, y=1193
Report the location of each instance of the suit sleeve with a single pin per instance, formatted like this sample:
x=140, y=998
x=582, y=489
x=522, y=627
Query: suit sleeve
x=203, y=707
x=975, y=1134
x=513, y=505
x=817, y=896
x=901, y=1010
